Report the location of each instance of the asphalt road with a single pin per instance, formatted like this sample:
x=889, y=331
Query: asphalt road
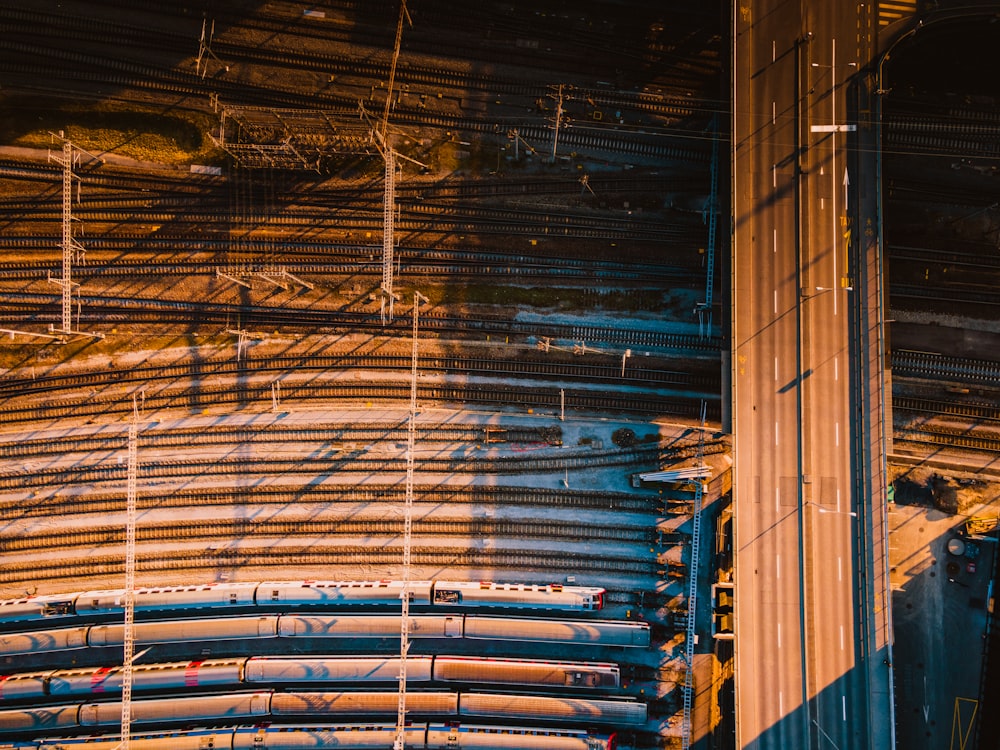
x=799, y=675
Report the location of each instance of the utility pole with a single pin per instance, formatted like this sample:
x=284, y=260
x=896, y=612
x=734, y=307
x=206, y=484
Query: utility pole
x=558, y=96
x=205, y=49
x=403, y=15
x=380, y=134
x=71, y=249
x=404, y=632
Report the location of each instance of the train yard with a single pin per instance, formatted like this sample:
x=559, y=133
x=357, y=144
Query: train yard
x=228, y=307
x=241, y=333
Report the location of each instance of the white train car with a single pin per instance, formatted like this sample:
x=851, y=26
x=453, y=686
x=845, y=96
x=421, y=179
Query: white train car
x=587, y=710
x=589, y=632
x=578, y=674
x=171, y=676
x=368, y=626
x=477, y=737
x=182, y=631
x=206, y=596
x=198, y=708
x=342, y=737
x=194, y=739
x=40, y=720
x=304, y=593
x=517, y=595
x=15, y=687
x=43, y=641
x=333, y=593
x=359, y=669
x=28, y=608
x=362, y=703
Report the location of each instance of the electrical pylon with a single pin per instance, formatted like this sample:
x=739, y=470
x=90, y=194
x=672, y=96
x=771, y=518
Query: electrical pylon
x=130, y=520
x=71, y=249
x=404, y=631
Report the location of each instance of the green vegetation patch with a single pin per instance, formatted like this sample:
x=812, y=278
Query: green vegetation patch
x=171, y=136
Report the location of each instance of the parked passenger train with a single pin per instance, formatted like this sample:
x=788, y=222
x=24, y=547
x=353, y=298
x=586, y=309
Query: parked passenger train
x=283, y=707
x=476, y=627
x=345, y=737
x=307, y=593
x=292, y=670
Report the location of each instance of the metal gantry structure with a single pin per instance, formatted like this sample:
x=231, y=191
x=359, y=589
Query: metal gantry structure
x=411, y=433
x=71, y=249
x=380, y=135
x=386, y=292
x=692, y=603
x=130, y=521
x=704, y=309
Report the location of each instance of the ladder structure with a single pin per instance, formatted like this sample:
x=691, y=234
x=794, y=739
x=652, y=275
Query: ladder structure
x=404, y=632
x=692, y=613
x=71, y=249
x=388, y=231
x=130, y=520
x=705, y=308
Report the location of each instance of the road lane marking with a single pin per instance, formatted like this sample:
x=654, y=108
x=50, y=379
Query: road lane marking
x=841, y=637
x=836, y=433
x=779, y=635
x=777, y=565
x=774, y=50
x=774, y=113
x=775, y=301
x=775, y=368
x=840, y=571
x=774, y=175
x=836, y=368
x=777, y=500
x=843, y=703
x=781, y=703
x=775, y=244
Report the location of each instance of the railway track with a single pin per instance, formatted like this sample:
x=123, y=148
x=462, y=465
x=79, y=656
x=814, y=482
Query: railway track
x=61, y=504
x=116, y=180
x=178, y=256
x=247, y=435
x=339, y=461
x=979, y=412
x=954, y=294
x=249, y=530
x=933, y=366
x=16, y=307
x=490, y=396
x=469, y=221
x=554, y=270
x=950, y=436
x=373, y=67
x=280, y=367
x=358, y=260
x=975, y=258
x=197, y=562
x=91, y=70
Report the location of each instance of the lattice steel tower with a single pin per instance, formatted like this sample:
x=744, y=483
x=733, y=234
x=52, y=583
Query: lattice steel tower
x=71, y=249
